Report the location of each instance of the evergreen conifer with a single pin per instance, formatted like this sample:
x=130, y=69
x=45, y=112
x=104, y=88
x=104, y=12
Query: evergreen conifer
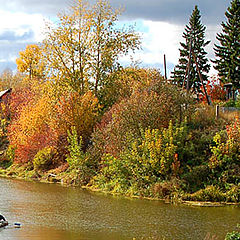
x=227, y=61
x=194, y=36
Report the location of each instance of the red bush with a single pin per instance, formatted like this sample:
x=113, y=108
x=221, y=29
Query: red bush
x=215, y=91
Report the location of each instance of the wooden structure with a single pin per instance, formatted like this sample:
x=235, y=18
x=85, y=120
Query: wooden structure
x=228, y=87
x=4, y=103
x=4, y=94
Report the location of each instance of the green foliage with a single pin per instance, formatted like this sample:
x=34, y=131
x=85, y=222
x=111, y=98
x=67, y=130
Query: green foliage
x=235, y=235
x=153, y=108
x=237, y=103
x=233, y=193
x=82, y=166
x=76, y=155
x=150, y=158
x=194, y=35
x=232, y=103
x=196, y=177
x=10, y=153
x=44, y=158
x=227, y=52
x=3, y=126
x=227, y=148
x=210, y=193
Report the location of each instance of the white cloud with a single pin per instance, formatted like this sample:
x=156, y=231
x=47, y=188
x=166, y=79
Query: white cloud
x=161, y=38
x=20, y=23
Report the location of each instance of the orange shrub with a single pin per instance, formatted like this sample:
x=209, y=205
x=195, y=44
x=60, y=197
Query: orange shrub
x=29, y=130
x=77, y=111
x=40, y=122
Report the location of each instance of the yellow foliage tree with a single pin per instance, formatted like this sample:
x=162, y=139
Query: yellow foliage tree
x=31, y=62
x=84, y=48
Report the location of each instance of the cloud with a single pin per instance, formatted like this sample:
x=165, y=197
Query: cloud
x=6, y=65
x=21, y=25
x=17, y=30
x=174, y=11
x=44, y=7
x=161, y=38
x=12, y=36
x=9, y=53
x=160, y=21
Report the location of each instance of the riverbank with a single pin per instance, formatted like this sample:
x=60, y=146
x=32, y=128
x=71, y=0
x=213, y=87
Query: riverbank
x=68, y=178
x=145, y=149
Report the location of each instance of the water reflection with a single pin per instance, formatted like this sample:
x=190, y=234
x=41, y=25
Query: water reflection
x=49, y=211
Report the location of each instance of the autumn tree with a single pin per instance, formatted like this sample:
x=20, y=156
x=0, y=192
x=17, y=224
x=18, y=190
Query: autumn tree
x=83, y=50
x=6, y=79
x=192, y=52
x=31, y=62
x=38, y=121
x=78, y=111
x=125, y=82
x=227, y=52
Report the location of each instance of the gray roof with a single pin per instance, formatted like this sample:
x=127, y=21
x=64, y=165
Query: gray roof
x=2, y=93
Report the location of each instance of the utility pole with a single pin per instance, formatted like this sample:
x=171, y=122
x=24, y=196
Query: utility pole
x=165, y=67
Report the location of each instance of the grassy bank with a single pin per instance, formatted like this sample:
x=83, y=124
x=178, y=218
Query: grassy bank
x=155, y=141
x=71, y=178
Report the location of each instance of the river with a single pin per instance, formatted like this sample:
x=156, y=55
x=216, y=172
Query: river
x=54, y=212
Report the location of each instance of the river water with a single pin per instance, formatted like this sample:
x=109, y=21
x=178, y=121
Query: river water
x=54, y=212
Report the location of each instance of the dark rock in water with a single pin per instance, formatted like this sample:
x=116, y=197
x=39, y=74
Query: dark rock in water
x=3, y=223
x=17, y=225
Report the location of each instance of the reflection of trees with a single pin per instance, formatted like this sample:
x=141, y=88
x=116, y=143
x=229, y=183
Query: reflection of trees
x=52, y=212
x=43, y=204
x=44, y=233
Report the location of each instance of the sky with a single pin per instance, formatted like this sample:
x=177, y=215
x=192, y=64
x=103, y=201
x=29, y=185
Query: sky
x=159, y=22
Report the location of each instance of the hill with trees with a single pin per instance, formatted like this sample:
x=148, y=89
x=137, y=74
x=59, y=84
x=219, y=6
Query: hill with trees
x=77, y=116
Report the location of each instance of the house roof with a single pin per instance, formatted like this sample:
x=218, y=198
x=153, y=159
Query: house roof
x=2, y=93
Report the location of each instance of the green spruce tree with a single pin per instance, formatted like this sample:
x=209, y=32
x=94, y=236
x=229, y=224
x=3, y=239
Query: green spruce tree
x=227, y=61
x=185, y=73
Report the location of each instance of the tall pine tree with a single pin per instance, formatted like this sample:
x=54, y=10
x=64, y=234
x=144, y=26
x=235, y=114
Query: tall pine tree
x=227, y=61
x=185, y=73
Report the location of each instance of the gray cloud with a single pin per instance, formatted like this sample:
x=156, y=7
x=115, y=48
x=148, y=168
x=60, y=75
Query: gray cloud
x=12, y=36
x=175, y=11
x=45, y=7
x=8, y=52
x=7, y=65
